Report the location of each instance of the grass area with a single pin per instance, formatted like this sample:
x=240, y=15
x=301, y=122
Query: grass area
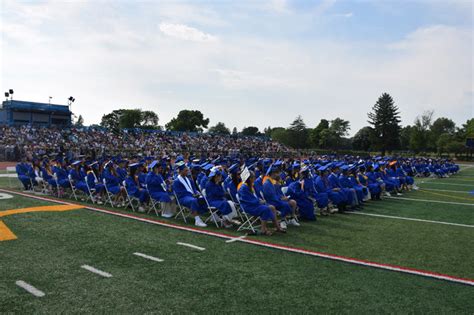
x=240, y=277
x=224, y=278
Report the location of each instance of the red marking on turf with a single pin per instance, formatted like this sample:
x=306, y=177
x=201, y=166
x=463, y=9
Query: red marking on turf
x=355, y=261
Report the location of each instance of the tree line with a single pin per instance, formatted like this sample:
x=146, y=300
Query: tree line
x=383, y=133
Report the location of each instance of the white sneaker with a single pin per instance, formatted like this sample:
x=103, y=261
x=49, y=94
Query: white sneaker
x=141, y=209
x=333, y=210
x=399, y=194
x=167, y=215
x=198, y=222
x=294, y=222
x=388, y=194
x=283, y=225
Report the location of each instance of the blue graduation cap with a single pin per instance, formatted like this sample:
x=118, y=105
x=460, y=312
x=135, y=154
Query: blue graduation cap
x=271, y=169
x=234, y=168
x=76, y=163
x=134, y=166
x=207, y=167
x=195, y=167
x=304, y=169
x=323, y=168
x=181, y=165
x=153, y=164
x=344, y=167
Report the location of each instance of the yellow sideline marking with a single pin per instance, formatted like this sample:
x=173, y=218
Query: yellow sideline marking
x=7, y=235
x=41, y=209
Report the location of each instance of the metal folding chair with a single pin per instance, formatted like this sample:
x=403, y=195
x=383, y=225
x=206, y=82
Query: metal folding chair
x=108, y=194
x=91, y=191
x=249, y=221
x=73, y=188
x=130, y=200
x=154, y=205
x=214, y=214
x=182, y=210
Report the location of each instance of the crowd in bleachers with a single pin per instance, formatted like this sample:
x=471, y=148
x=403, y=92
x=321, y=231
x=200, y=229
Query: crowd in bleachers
x=247, y=192
x=95, y=142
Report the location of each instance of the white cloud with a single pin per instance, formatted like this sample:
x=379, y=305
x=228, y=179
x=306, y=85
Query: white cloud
x=344, y=15
x=185, y=32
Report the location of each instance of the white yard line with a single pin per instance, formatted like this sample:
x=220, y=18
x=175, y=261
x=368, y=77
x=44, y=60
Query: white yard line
x=148, y=257
x=191, y=246
x=97, y=271
x=411, y=219
x=434, y=201
x=236, y=239
x=446, y=190
x=449, y=184
x=29, y=288
x=355, y=261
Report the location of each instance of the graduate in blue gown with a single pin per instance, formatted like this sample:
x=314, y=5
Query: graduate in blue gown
x=232, y=181
x=78, y=176
x=113, y=184
x=133, y=186
x=255, y=206
x=296, y=192
x=188, y=195
x=274, y=196
x=159, y=189
x=322, y=186
x=215, y=195
x=25, y=172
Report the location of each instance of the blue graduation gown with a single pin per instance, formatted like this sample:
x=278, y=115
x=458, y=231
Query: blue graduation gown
x=251, y=204
x=156, y=187
x=274, y=198
x=306, y=206
x=216, y=197
x=186, y=198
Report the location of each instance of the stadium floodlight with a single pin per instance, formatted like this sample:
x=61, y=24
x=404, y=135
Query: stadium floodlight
x=6, y=94
x=70, y=100
x=10, y=91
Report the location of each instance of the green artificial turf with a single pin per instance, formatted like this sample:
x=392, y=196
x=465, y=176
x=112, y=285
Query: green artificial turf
x=225, y=278
x=237, y=277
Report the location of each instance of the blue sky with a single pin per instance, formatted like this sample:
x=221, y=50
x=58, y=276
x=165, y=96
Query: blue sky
x=258, y=63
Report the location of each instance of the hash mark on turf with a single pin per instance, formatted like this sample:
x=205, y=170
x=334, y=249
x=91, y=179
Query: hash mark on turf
x=191, y=246
x=96, y=271
x=236, y=239
x=148, y=257
x=29, y=288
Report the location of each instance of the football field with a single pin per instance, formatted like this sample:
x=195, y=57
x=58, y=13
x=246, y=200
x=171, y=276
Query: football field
x=412, y=253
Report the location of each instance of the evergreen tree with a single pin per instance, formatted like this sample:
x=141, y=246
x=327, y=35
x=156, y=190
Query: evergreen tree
x=298, y=133
x=315, y=134
x=385, y=119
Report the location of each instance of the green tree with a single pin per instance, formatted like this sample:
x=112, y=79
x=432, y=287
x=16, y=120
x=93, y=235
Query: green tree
x=385, y=119
x=188, y=120
x=250, y=131
x=267, y=131
x=297, y=133
x=405, y=135
x=129, y=118
x=219, y=129
x=315, y=134
x=420, y=135
x=234, y=131
x=362, y=140
x=280, y=134
x=80, y=122
x=340, y=127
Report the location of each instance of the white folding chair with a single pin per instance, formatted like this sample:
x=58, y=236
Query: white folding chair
x=249, y=221
x=91, y=192
x=131, y=201
x=108, y=194
x=182, y=210
x=73, y=188
x=214, y=214
x=10, y=171
x=236, y=203
x=154, y=205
